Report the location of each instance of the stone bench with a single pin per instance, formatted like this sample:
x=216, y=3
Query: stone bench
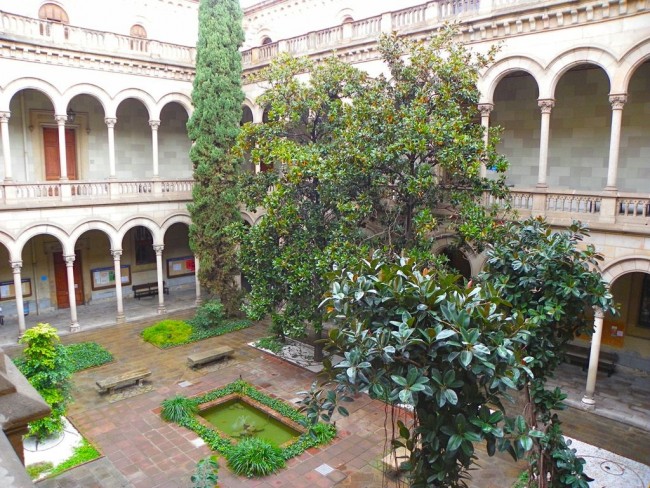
x=579, y=355
x=204, y=357
x=148, y=290
x=121, y=380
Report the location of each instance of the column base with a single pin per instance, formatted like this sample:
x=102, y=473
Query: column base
x=611, y=189
x=541, y=185
x=74, y=327
x=588, y=402
x=161, y=309
x=120, y=318
x=198, y=301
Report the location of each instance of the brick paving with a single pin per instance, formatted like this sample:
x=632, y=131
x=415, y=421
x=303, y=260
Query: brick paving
x=140, y=450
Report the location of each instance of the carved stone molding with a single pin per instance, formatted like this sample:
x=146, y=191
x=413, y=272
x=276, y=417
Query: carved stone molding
x=618, y=100
x=154, y=124
x=116, y=253
x=110, y=122
x=4, y=117
x=546, y=105
x=485, y=109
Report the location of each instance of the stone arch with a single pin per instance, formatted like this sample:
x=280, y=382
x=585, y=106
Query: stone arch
x=99, y=225
x=585, y=55
x=175, y=219
x=7, y=241
x=345, y=15
x=34, y=84
x=625, y=265
x=630, y=61
x=154, y=228
x=146, y=99
x=94, y=91
x=246, y=217
x=38, y=229
x=498, y=71
x=180, y=98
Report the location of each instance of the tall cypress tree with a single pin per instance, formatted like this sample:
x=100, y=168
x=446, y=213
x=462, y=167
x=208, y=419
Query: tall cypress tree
x=217, y=97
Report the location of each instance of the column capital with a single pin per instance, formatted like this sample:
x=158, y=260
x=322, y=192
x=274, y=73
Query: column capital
x=69, y=259
x=546, y=105
x=598, y=313
x=110, y=122
x=61, y=119
x=116, y=253
x=16, y=266
x=617, y=100
x=154, y=124
x=485, y=108
x=4, y=117
x=158, y=248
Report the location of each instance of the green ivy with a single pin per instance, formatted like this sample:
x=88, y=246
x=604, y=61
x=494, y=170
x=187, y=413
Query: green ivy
x=199, y=333
x=82, y=454
x=86, y=355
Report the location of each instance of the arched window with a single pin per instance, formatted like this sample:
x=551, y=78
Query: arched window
x=347, y=20
x=266, y=40
x=51, y=12
x=139, y=33
x=246, y=116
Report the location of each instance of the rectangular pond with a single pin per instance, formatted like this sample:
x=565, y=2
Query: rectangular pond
x=237, y=418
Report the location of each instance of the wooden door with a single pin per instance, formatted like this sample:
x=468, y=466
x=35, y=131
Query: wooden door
x=51, y=153
x=61, y=280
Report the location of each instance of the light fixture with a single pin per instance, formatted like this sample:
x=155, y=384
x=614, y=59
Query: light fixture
x=71, y=116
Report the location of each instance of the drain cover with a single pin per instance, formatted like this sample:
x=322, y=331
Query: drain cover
x=184, y=384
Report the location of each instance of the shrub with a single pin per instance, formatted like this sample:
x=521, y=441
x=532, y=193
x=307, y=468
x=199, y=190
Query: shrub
x=81, y=454
x=206, y=472
x=167, y=333
x=37, y=469
x=255, y=457
x=208, y=315
x=177, y=408
x=272, y=344
x=86, y=355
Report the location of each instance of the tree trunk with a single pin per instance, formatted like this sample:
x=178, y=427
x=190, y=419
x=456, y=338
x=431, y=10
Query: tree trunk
x=318, y=345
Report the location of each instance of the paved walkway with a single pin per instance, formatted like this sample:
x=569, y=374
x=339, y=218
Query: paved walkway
x=143, y=451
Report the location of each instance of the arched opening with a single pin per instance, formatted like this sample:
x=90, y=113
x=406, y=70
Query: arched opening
x=90, y=139
x=580, y=130
x=178, y=263
x=457, y=261
x=52, y=13
x=139, y=35
x=246, y=115
x=173, y=143
x=516, y=112
x=133, y=150
x=266, y=40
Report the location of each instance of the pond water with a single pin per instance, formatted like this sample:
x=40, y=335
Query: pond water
x=239, y=419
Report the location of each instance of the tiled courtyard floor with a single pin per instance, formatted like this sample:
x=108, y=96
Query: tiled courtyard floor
x=143, y=451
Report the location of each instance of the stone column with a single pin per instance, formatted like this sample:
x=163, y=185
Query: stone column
x=60, y=121
x=594, y=354
x=6, y=152
x=18, y=286
x=110, y=123
x=617, y=101
x=159, y=269
x=546, y=105
x=154, y=145
x=198, y=300
x=485, y=109
x=69, y=267
x=117, y=253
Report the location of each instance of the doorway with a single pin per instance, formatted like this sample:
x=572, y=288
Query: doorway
x=61, y=280
x=51, y=152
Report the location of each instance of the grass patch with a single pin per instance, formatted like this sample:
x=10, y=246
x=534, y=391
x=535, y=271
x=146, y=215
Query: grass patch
x=82, y=454
x=188, y=332
x=322, y=434
x=86, y=355
x=37, y=469
x=272, y=344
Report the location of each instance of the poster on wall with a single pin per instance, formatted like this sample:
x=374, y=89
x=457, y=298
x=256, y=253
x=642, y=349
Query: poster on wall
x=8, y=289
x=105, y=277
x=182, y=266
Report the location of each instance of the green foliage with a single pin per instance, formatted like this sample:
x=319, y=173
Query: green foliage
x=209, y=314
x=82, y=454
x=213, y=127
x=47, y=368
x=522, y=481
x=361, y=163
x=552, y=282
x=206, y=473
x=84, y=355
x=255, y=457
x=317, y=436
x=37, y=469
x=177, y=408
x=168, y=333
x=415, y=336
x=272, y=344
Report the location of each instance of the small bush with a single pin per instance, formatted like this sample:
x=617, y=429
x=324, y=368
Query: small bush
x=167, y=333
x=522, y=481
x=255, y=457
x=86, y=355
x=272, y=344
x=208, y=315
x=206, y=473
x=37, y=469
x=81, y=454
x=178, y=408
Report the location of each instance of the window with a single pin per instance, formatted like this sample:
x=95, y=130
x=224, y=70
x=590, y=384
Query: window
x=143, y=240
x=52, y=12
x=139, y=34
x=266, y=40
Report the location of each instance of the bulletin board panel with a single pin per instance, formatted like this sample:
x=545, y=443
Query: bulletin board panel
x=8, y=289
x=183, y=266
x=105, y=277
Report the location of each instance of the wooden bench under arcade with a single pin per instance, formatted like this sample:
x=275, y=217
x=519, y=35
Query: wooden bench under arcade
x=579, y=355
x=121, y=380
x=204, y=357
x=148, y=290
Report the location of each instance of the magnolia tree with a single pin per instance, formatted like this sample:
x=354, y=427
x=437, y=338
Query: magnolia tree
x=358, y=163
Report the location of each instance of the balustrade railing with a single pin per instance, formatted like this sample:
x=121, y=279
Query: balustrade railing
x=92, y=192
x=572, y=203
x=89, y=40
